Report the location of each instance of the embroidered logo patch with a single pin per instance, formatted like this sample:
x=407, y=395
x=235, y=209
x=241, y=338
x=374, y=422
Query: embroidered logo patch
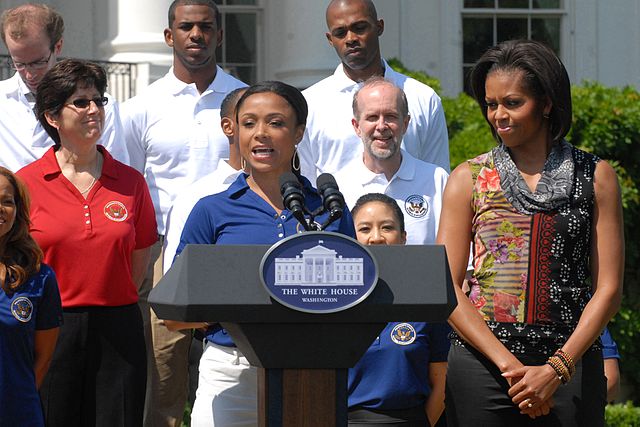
x=116, y=211
x=416, y=206
x=22, y=309
x=403, y=334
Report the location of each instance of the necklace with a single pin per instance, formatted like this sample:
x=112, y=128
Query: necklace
x=93, y=182
x=98, y=167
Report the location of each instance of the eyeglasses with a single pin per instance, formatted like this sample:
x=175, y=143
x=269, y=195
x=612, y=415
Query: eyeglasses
x=82, y=103
x=35, y=65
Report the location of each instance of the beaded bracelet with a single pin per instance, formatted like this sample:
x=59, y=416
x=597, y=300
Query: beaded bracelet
x=561, y=370
x=567, y=360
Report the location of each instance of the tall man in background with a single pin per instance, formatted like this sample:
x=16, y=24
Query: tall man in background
x=33, y=36
x=330, y=141
x=174, y=138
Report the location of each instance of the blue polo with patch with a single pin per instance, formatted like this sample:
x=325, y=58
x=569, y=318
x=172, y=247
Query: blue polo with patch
x=238, y=216
x=394, y=372
x=35, y=306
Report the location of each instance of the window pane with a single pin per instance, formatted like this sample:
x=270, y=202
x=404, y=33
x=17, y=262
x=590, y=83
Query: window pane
x=479, y=3
x=514, y=4
x=240, y=37
x=478, y=36
x=246, y=73
x=546, y=4
x=512, y=28
x=547, y=31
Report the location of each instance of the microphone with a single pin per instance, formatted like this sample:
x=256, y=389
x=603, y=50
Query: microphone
x=293, y=197
x=332, y=198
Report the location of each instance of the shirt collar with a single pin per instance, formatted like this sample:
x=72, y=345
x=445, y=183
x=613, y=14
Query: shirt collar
x=17, y=89
x=240, y=185
x=406, y=171
x=220, y=84
x=344, y=83
x=49, y=164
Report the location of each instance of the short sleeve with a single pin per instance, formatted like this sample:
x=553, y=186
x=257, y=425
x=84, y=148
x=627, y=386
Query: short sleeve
x=50, y=306
x=112, y=136
x=439, y=341
x=146, y=227
x=200, y=227
x=609, y=346
x=132, y=134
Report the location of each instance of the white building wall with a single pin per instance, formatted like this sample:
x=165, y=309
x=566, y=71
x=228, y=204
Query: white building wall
x=602, y=40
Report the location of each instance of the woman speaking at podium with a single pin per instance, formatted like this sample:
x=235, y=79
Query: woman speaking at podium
x=270, y=121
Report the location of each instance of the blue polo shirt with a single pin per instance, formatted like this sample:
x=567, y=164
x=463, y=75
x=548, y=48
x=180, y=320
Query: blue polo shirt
x=35, y=306
x=238, y=216
x=609, y=346
x=394, y=372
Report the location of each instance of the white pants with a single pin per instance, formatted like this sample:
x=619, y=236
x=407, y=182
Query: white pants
x=227, y=389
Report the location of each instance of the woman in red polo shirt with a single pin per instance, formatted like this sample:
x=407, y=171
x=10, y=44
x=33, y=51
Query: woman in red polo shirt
x=94, y=220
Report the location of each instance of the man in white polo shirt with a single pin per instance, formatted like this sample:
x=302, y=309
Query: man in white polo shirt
x=380, y=119
x=33, y=36
x=216, y=182
x=173, y=134
x=330, y=142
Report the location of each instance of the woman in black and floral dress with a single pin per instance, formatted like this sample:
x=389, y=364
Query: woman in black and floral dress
x=545, y=220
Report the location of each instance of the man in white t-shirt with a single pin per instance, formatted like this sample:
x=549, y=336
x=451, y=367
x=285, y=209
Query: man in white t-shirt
x=330, y=142
x=380, y=119
x=33, y=36
x=174, y=138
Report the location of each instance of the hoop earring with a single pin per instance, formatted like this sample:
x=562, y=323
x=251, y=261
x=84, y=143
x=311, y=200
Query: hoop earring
x=295, y=161
x=243, y=164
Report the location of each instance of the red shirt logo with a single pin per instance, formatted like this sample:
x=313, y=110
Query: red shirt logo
x=116, y=211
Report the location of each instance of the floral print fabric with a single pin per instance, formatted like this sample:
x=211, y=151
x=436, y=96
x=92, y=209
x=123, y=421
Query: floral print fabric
x=530, y=279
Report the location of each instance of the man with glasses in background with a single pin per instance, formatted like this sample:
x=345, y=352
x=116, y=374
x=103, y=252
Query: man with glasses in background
x=33, y=36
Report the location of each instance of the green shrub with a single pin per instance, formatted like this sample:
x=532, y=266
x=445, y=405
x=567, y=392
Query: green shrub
x=469, y=133
x=622, y=415
x=606, y=122
x=420, y=76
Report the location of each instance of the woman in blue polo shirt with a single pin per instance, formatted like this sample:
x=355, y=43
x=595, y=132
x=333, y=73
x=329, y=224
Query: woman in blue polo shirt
x=400, y=379
x=270, y=121
x=30, y=310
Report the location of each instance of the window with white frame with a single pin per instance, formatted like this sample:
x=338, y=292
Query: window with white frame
x=239, y=51
x=488, y=22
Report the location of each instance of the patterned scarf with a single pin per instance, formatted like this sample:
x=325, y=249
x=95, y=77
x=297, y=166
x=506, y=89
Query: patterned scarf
x=553, y=189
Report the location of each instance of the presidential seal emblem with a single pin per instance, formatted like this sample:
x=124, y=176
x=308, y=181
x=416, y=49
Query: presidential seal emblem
x=319, y=272
x=416, y=206
x=22, y=309
x=116, y=211
x=403, y=334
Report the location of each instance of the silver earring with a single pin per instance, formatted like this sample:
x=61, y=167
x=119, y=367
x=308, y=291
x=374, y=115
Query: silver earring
x=295, y=161
x=243, y=164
